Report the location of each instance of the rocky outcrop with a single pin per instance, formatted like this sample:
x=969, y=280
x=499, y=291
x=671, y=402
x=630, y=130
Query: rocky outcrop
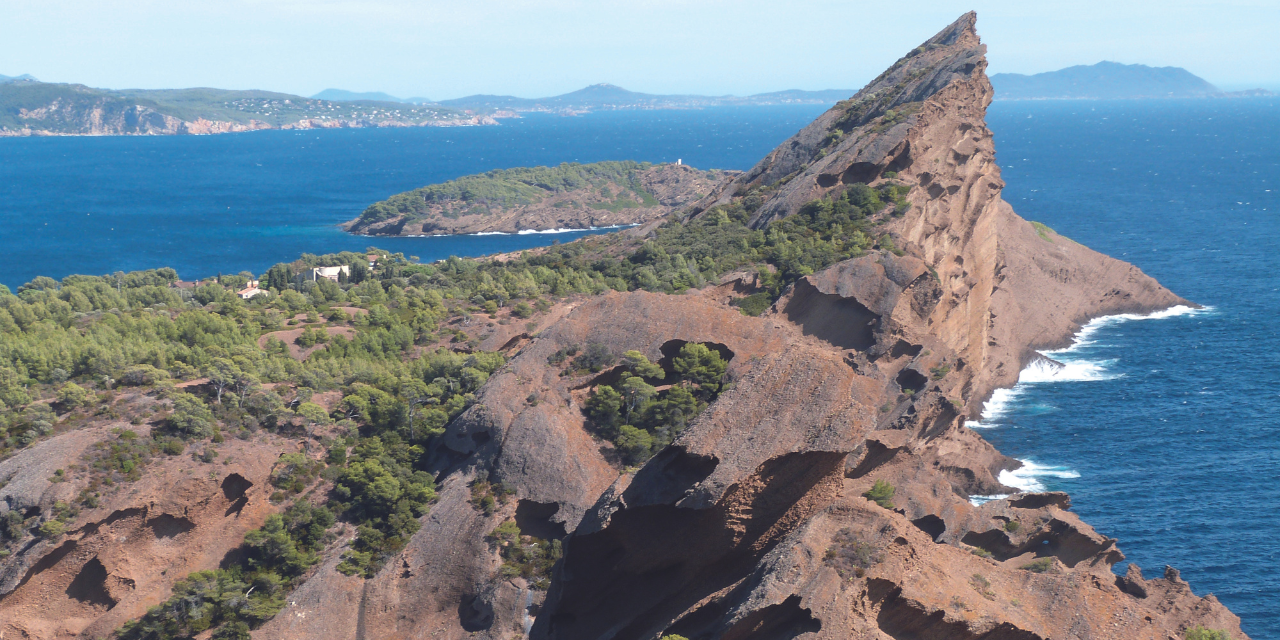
x=116, y=560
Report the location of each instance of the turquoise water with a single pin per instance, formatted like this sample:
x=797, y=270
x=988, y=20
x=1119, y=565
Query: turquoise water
x=226, y=203
x=1164, y=430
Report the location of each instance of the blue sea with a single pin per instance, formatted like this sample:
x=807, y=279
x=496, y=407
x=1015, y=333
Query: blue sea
x=1164, y=429
x=227, y=203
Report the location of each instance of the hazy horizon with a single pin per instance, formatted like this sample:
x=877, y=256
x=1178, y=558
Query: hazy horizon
x=530, y=49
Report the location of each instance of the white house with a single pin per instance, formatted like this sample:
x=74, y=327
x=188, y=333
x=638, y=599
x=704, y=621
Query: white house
x=250, y=290
x=329, y=273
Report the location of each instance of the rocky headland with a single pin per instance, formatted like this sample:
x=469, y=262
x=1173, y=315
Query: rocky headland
x=823, y=492
x=571, y=196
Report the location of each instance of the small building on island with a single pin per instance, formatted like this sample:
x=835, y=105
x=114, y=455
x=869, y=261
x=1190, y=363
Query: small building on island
x=330, y=273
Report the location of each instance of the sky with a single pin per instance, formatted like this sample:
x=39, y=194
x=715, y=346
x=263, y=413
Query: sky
x=537, y=48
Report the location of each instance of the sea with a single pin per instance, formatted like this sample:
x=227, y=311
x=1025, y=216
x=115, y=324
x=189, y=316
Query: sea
x=1164, y=427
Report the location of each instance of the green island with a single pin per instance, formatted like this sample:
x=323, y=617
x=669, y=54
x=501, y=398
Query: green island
x=570, y=195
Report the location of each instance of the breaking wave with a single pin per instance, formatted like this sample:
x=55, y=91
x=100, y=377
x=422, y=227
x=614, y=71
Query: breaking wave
x=1027, y=477
x=1066, y=365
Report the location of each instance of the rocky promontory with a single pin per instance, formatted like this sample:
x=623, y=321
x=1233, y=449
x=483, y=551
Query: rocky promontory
x=570, y=196
x=742, y=421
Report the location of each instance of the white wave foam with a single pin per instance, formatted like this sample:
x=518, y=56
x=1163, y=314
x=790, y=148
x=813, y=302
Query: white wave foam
x=1027, y=477
x=978, y=501
x=1043, y=370
x=1083, y=337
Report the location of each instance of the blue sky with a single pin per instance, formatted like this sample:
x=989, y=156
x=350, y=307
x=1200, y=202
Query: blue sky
x=538, y=48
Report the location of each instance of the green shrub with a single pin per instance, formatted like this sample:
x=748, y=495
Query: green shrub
x=1201, y=633
x=881, y=493
x=1038, y=566
x=51, y=529
x=754, y=304
x=1012, y=526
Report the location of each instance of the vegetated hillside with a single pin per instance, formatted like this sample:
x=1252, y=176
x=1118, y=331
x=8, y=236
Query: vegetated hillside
x=1105, y=80
x=37, y=108
x=569, y=196
x=743, y=422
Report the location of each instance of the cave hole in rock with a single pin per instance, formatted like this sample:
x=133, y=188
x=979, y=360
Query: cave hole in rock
x=904, y=348
x=90, y=585
x=910, y=379
x=863, y=172
x=235, y=486
x=534, y=519
x=995, y=540
x=902, y=619
x=843, y=322
x=169, y=526
x=828, y=180
x=481, y=437
x=931, y=525
x=475, y=614
x=782, y=621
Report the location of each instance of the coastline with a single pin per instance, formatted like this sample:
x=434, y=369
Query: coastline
x=1044, y=368
x=207, y=128
x=522, y=232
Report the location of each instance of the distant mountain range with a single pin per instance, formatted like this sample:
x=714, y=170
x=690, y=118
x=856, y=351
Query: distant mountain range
x=339, y=95
x=1109, y=80
x=602, y=97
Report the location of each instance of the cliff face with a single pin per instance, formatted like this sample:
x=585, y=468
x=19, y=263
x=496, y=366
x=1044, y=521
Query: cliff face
x=752, y=524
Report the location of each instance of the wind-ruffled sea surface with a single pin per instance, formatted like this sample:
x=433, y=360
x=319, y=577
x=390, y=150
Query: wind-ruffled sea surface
x=227, y=203
x=1164, y=429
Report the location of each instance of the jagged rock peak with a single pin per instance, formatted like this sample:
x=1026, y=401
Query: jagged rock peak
x=859, y=139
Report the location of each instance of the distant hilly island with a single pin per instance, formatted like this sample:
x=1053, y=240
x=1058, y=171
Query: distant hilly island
x=602, y=97
x=1109, y=81
x=30, y=107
